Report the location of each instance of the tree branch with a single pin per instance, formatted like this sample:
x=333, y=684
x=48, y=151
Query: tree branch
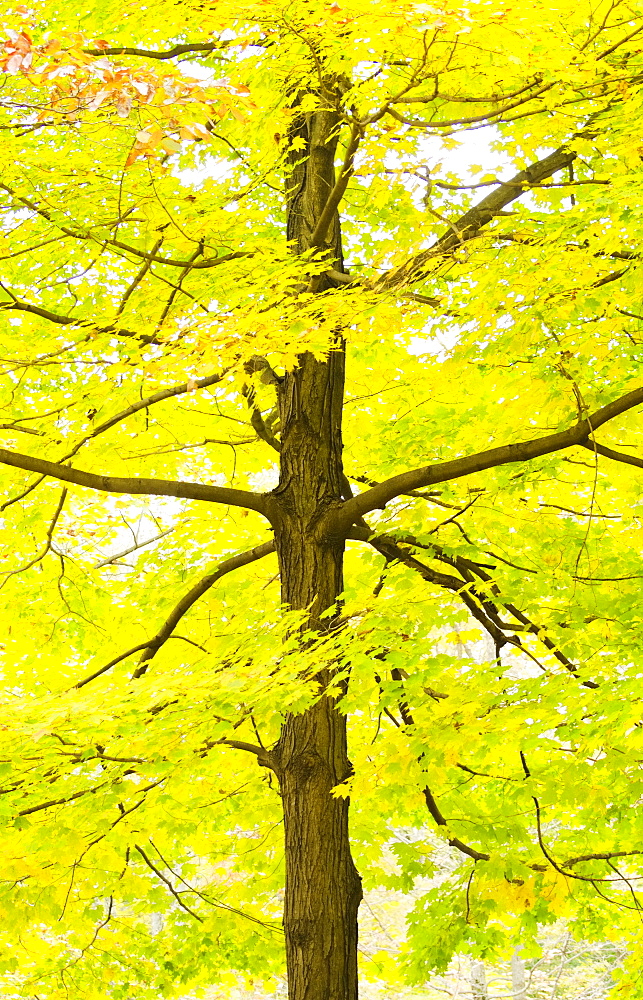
x=378, y=496
x=617, y=456
x=48, y=542
x=599, y=857
x=118, y=331
x=264, y=757
x=487, y=116
x=142, y=404
x=132, y=548
x=192, y=596
x=135, y=486
x=151, y=646
x=112, y=663
x=341, y=278
x=439, y=819
x=177, y=50
x=321, y=229
x=154, y=258
x=481, y=607
x=150, y=864
x=469, y=224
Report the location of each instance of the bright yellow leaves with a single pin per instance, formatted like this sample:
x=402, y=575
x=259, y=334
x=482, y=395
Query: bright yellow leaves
x=510, y=895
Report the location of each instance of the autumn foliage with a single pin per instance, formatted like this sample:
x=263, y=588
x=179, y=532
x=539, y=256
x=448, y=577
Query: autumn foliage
x=320, y=396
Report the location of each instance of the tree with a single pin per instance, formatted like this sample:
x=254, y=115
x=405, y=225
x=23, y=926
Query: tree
x=176, y=326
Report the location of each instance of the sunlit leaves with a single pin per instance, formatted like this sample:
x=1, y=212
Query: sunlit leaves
x=144, y=246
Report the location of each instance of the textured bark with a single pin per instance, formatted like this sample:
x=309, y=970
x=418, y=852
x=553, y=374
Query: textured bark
x=323, y=889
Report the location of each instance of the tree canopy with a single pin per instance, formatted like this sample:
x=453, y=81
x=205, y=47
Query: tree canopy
x=237, y=238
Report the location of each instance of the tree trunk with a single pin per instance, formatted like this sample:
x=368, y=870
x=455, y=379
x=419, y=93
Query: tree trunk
x=323, y=888
x=478, y=979
x=517, y=975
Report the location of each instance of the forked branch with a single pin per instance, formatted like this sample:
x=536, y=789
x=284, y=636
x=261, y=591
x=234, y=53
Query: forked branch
x=378, y=496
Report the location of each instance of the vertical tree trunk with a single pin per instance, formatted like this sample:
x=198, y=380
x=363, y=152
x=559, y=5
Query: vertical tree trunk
x=517, y=975
x=478, y=979
x=323, y=888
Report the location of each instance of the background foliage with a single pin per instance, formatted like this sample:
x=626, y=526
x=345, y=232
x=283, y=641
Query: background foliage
x=144, y=249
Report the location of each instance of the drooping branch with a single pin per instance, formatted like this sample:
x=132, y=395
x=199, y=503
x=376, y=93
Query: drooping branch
x=378, y=496
x=429, y=798
x=616, y=456
x=152, y=646
x=135, y=486
x=479, y=604
x=548, y=855
x=480, y=609
x=48, y=542
x=193, y=595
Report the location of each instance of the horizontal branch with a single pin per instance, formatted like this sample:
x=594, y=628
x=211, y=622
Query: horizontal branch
x=176, y=50
x=190, y=265
x=492, y=116
x=599, y=857
x=264, y=757
x=378, y=496
x=76, y=321
x=341, y=278
x=135, y=486
x=459, y=99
